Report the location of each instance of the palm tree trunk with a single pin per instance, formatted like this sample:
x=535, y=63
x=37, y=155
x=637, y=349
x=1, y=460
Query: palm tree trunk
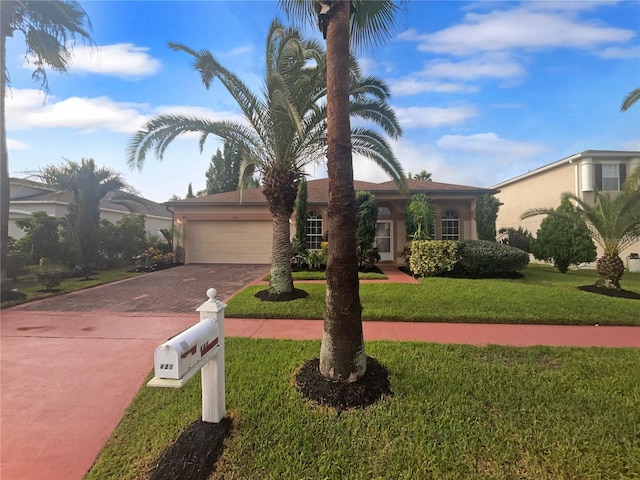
x=342, y=354
x=5, y=197
x=280, y=279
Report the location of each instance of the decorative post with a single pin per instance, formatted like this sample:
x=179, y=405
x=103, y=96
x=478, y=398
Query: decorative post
x=213, y=389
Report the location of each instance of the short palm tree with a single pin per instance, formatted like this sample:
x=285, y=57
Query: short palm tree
x=614, y=222
x=87, y=185
x=282, y=132
x=49, y=29
x=342, y=353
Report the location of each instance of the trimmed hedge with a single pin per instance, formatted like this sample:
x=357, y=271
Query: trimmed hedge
x=465, y=258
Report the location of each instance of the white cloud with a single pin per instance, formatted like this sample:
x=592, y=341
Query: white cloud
x=13, y=144
x=490, y=144
x=121, y=60
x=631, y=146
x=238, y=51
x=413, y=86
x=488, y=66
x=619, y=52
x=414, y=117
x=520, y=28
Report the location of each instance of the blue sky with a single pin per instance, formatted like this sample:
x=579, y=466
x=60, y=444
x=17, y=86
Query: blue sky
x=485, y=91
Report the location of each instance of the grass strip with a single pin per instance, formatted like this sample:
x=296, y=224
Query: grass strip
x=457, y=411
x=542, y=296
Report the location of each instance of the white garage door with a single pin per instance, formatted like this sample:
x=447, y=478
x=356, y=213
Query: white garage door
x=228, y=241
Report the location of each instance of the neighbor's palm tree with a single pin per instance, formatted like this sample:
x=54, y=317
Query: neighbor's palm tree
x=342, y=354
x=630, y=99
x=87, y=186
x=49, y=28
x=614, y=223
x=283, y=132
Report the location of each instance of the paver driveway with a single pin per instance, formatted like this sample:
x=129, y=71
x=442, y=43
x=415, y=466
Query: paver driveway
x=72, y=364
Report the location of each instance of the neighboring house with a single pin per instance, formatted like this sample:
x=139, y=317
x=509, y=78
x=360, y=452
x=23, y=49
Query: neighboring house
x=578, y=174
x=28, y=196
x=230, y=228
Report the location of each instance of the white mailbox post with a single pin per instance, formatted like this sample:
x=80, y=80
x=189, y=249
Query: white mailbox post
x=200, y=347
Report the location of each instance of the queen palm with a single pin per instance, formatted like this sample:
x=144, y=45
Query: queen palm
x=342, y=354
x=87, y=185
x=614, y=223
x=283, y=131
x=49, y=28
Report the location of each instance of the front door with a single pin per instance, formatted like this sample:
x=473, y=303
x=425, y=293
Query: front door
x=383, y=240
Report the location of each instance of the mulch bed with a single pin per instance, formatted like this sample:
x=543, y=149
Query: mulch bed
x=610, y=292
x=265, y=296
x=194, y=455
x=373, y=386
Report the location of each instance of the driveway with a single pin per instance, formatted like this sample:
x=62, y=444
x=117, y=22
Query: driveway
x=72, y=364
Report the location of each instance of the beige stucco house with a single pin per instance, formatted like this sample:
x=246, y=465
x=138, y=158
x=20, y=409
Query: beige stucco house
x=228, y=228
x=578, y=174
x=28, y=197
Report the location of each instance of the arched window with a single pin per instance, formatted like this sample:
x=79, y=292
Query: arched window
x=450, y=225
x=384, y=211
x=314, y=230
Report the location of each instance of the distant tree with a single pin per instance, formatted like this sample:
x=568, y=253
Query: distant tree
x=223, y=174
x=366, y=219
x=87, y=185
x=190, y=191
x=300, y=242
x=564, y=239
x=49, y=29
x=122, y=241
x=518, y=238
x=631, y=98
x=487, y=208
x=41, y=239
x=420, y=217
x=422, y=175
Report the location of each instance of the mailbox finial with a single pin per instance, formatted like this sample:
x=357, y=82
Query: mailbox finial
x=211, y=293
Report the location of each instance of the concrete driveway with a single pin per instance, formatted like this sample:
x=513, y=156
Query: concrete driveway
x=70, y=365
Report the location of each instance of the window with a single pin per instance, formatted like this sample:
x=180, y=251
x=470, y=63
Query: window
x=384, y=211
x=450, y=225
x=610, y=176
x=314, y=230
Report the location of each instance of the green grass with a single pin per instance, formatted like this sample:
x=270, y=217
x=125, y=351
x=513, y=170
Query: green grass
x=457, y=412
x=322, y=275
x=542, y=296
x=34, y=290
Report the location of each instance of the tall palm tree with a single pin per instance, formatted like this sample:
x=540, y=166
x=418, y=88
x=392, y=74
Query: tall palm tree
x=342, y=354
x=87, y=185
x=282, y=132
x=49, y=29
x=614, y=223
x=632, y=97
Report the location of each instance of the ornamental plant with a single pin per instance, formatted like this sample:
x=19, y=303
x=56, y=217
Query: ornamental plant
x=432, y=257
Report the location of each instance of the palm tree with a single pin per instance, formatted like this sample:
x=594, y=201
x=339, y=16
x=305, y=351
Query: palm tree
x=342, y=354
x=283, y=132
x=87, y=186
x=614, y=223
x=49, y=28
x=630, y=99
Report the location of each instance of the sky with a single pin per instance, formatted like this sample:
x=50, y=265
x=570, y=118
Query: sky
x=484, y=91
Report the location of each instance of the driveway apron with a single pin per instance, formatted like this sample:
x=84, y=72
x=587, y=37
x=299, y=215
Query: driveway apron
x=72, y=364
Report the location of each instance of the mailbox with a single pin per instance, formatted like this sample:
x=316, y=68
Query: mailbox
x=187, y=351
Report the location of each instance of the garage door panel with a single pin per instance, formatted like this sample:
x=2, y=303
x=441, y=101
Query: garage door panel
x=228, y=241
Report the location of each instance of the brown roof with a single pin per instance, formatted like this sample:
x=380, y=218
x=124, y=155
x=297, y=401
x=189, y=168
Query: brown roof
x=317, y=191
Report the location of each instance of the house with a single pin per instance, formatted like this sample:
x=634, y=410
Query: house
x=237, y=228
x=28, y=196
x=578, y=174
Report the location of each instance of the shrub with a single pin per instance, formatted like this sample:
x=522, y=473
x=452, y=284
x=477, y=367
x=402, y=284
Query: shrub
x=50, y=275
x=482, y=258
x=153, y=259
x=432, y=257
x=520, y=238
x=366, y=218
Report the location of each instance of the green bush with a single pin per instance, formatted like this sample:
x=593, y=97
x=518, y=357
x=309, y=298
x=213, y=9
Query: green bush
x=432, y=257
x=50, y=275
x=482, y=258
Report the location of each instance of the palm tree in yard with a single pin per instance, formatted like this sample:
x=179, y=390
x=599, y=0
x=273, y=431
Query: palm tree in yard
x=87, y=185
x=614, y=223
x=48, y=29
x=342, y=354
x=283, y=131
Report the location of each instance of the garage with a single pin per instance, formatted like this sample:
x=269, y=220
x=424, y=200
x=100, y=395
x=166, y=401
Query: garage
x=228, y=241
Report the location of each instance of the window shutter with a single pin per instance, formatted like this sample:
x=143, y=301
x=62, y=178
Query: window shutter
x=622, y=173
x=598, y=172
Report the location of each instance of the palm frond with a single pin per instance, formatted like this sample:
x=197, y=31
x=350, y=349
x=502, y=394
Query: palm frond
x=632, y=97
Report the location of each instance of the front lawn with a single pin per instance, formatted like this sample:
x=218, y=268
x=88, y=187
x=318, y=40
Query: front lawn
x=542, y=296
x=456, y=412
